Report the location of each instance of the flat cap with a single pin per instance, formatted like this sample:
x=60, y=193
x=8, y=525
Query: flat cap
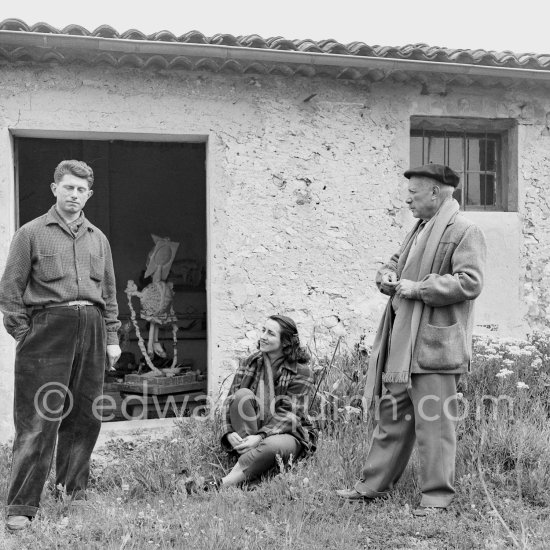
x=439, y=172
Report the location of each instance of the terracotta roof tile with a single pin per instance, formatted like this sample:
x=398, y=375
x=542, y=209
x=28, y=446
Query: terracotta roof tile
x=106, y=31
x=252, y=41
x=418, y=52
x=193, y=37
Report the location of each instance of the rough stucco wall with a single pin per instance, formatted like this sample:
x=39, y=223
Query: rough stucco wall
x=306, y=211
x=535, y=258
x=305, y=197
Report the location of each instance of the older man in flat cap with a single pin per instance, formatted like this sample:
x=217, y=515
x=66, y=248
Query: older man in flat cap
x=423, y=343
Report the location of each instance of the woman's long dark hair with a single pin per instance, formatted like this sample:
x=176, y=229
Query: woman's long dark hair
x=293, y=352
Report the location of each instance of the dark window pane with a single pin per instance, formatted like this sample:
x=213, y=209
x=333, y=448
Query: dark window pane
x=416, y=151
x=488, y=190
x=487, y=154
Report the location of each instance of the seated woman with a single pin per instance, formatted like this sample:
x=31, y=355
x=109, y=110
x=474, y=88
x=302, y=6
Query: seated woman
x=265, y=413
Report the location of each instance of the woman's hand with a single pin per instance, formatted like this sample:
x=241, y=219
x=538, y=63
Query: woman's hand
x=234, y=439
x=249, y=442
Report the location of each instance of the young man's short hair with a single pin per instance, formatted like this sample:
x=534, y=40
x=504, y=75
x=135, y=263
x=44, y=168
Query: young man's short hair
x=76, y=168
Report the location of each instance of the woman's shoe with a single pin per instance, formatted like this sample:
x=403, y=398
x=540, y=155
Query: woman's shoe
x=212, y=483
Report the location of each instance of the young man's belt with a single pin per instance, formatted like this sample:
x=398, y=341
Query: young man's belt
x=74, y=303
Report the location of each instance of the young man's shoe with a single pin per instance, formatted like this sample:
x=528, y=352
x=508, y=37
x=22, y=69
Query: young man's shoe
x=17, y=523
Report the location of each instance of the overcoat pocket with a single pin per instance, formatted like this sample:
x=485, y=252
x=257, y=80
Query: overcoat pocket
x=442, y=348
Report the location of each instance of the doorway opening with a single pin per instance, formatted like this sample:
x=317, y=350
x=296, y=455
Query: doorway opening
x=141, y=189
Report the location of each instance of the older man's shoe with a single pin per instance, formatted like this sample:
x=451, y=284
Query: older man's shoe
x=17, y=523
x=352, y=494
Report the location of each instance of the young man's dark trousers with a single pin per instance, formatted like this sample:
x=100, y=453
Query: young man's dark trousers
x=59, y=368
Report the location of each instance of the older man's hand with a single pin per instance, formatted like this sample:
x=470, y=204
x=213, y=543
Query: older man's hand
x=407, y=289
x=388, y=283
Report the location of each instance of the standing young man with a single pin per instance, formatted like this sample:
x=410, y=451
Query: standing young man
x=58, y=298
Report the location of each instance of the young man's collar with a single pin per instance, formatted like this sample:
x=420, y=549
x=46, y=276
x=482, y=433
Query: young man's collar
x=53, y=216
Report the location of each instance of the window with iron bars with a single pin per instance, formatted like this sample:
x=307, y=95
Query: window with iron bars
x=476, y=151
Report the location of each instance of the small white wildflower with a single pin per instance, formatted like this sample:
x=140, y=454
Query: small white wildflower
x=508, y=362
x=503, y=373
x=459, y=395
x=522, y=386
x=537, y=363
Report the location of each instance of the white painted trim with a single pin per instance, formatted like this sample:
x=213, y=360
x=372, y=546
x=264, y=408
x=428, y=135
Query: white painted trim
x=209, y=265
x=154, y=135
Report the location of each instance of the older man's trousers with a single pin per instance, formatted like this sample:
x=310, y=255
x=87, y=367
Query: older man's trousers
x=425, y=412
x=59, y=369
x=243, y=413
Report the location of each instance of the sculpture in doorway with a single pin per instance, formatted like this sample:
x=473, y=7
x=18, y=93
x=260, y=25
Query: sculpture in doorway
x=156, y=303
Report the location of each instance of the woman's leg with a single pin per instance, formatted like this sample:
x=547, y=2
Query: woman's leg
x=243, y=412
x=234, y=477
x=263, y=458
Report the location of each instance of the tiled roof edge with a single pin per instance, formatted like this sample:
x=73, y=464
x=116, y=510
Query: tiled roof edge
x=416, y=52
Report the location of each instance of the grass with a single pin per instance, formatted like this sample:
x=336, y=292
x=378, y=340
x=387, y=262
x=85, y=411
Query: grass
x=138, y=496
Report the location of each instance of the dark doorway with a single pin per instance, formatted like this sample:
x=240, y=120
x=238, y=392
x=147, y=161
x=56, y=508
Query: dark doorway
x=141, y=188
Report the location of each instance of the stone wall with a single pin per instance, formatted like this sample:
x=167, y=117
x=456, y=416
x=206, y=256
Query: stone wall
x=305, y=192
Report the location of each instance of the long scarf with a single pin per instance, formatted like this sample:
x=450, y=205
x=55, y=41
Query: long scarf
x=393, y=346
x=265, y=392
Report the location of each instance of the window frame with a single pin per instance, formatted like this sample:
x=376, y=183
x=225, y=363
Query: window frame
x=504, y=131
